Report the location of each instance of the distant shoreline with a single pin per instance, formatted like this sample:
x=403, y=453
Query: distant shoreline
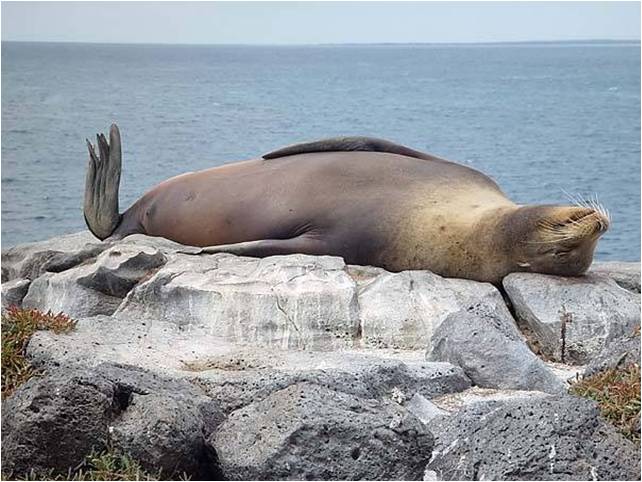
x=521, y=43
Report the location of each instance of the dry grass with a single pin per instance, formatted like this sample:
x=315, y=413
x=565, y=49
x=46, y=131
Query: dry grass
x=17, y=327
x=617, y=391
x=107, y=465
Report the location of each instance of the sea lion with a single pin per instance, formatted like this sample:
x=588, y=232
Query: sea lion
x=369, y=201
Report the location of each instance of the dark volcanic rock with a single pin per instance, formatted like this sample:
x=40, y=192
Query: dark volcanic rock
x=552, y=438
x=308, y=432
x=491, y=351
x=55, y=421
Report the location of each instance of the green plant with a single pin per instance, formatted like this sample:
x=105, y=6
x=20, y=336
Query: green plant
x=105, y=465
x=617, y=392
x=18, y=325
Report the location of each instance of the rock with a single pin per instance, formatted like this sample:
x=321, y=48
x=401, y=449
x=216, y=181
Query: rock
x=492, y=352
x=366, y=376
x=96, y=288
x=627, y=275
x=54, y=422
x=550, y=438
x=60, y=292
x=57, y=254
x=303, y=302
x=297, y=301
x=402, y=310
x=289, y=302
x=572, y=318
x=453, y=402
x=14, y=291
x=119, y=269
x=236, y=375
x=617, y=353
x=423, y=409
x=309, y=432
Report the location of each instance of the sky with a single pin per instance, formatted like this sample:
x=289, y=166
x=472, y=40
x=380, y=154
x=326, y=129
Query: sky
x=317, y=22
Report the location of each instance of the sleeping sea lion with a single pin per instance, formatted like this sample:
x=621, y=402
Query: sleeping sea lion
x=367, y=200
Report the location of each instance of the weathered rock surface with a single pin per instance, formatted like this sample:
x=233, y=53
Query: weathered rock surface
x=619, y=352
x=627, y=275
x=96, y=288
x=307, y=432
x=57, y=254
x=235, y=375
x=492, y=352
x=287, y=353
x=550, y=438
x=14, y=291
x=295, y=301
x=401, y=310
x=572, y=319
x=55, y=421
x=303, y=302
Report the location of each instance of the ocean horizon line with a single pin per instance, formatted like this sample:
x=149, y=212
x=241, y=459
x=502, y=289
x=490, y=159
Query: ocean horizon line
x=499, y=43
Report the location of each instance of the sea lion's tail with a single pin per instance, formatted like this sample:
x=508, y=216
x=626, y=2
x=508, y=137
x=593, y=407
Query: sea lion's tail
x=101, y=185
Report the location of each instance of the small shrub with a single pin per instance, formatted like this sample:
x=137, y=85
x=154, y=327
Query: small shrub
x=106, y=465
x=18, y=325
x=617, y=391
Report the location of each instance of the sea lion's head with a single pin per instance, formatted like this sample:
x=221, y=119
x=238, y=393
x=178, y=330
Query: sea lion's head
x=557, y=240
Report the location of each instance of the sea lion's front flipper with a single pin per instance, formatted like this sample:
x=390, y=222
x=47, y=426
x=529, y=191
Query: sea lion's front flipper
x=269, y=247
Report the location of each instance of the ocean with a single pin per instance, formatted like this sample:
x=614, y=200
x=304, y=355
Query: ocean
x=545, y=120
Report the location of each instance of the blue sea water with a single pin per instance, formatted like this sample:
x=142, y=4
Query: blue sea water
x=541, y=119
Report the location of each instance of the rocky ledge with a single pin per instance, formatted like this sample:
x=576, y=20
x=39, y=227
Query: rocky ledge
x=303, y=367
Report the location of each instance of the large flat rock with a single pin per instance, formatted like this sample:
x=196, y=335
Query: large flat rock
x=236, y=375
x=287, y=302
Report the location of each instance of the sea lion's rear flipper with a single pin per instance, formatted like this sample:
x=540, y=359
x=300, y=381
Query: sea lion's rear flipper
x=101, y=185
x=348, y=144
x=270, y=247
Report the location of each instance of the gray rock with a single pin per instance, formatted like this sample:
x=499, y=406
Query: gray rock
x=572, y=318
x=491, y=351
x=118, y=269
x=14, y=291
x=402, y=310
x=236, y=375
x=57, y=254
x=627, y=275
x=365, y=377
x=551, y=438
x=303, y=302
x=310, y=432
x=423, y=409
x=297, y=301
x=454, y=402
x=55, y=421
x=96, y=288
x=60, y=292
x=617, y=353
